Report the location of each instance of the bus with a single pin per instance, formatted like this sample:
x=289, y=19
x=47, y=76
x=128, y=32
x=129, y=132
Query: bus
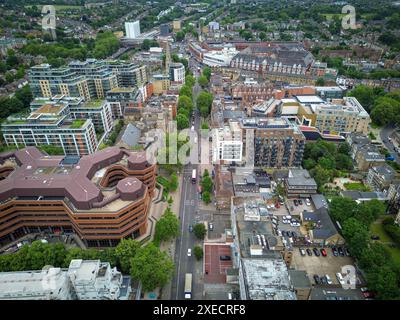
x=188, y=286
x=194, y=176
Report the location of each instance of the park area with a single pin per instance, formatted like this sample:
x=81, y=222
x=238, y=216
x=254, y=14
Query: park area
x=377, y=228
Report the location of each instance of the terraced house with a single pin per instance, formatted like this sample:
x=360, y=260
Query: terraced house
x=102, y=197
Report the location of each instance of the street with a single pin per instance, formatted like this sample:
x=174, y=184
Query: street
x=188, y=215
x=385, y=133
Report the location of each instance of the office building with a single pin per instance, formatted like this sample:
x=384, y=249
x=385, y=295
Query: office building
x=103, y=197
x=177, y=72
x=83, y=280
x=273, y=142
x=132, y=29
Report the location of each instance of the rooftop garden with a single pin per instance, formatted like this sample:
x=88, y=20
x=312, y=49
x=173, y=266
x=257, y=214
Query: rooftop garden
x=76, y=124
x=96, y=103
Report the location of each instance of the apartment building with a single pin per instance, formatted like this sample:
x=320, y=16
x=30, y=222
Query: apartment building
x=128, y=74
x=273, y=142
x=68, y=122
x=161, y=83
x=46, y=81
x=227, y=143
x=124, y=100
x=90, y=79
x=177, y=72
x=380, y=177
x=51, y=125
x=83, y=280
x=99, y=77
x=102, y=197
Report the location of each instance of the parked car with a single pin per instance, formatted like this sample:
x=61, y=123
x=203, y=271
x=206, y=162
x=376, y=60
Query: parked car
x=302, y=252
x=317, y=279
x=300, y=202
x=283, y=233
x=294, y=234
x=285, y=221
x=316, y=252
x=347, y=252
x=368, y=294
x=328, y=279
x=341, y=252
x=375, y=237
x=190, y=228
x=295, y=202
x=340, y=278
x=210, y=227
x=308, y=202
x=309, y=252
x=288, y=217
x=189, y=252
x=324, y=280
x=225, y=258
x=323, y=252
x=279, y=232
x=334, y=251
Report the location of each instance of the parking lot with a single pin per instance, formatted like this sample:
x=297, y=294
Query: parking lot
x=321, y=266
x=296, y=210
x=220, y=223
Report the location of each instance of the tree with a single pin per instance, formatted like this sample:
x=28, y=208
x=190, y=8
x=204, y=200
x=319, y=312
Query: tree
x=204, y=102
x=321, y=176
x=167, y=227
x=364, y=94
x=186, y=90
x=356, y=234
x=320, y=82
x=206, y=183
x=199, y=230
x=343, y=162
x=190, y=81
x=207, y=73
x=342, y=208
x=173, y=182
x=180, y=35
x=262, y=35
x=182, y=121
x=384, y=281
x=152, y=267
x=198, y=252
x=124, y=252
x=206, y=197
x=185, y=102
x=202, y=80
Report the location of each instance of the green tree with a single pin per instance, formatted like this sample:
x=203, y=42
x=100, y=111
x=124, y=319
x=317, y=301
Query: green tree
x=198, y=252
x=24, y=95
x=206, y=197
x=356, y=234
x=173, y=182
x=202, y=80
x=167, y=227
x=186, y=90
x=185, y=102
x=384, y=281
x=207, y=73
x=204, y=102
x=124, y=252
x=199, y=230
x=342, y=208
x=152, y=267
x=320, y=82
x=182, y=121
x=364, y=94
x=180, y=35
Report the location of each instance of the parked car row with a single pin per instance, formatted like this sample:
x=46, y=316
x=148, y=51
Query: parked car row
x=339, y=251
x=336, y=251
x=326, y=279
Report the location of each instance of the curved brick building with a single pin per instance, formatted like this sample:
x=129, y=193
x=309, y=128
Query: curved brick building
x=101, y=197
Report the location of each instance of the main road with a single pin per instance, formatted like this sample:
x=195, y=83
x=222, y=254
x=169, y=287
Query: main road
x=188, y=215
x=385, y=133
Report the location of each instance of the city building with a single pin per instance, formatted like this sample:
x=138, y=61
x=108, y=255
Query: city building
x=124, y=101
x=272, y=142
x=161, y=83
x=379, y=178
x=299, y=183
x=177, y=72
x=227, y=144
x=164, y=30
x=102, y=197
x=301, y=284
x=128, y=74
x=83, y=280
x=221, y=57
x=251, y=91
x=176, y=25
x=132, y=29
x=51, y=124
x=363, y=152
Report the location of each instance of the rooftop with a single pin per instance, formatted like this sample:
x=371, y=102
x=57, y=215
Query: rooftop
x=300, y=177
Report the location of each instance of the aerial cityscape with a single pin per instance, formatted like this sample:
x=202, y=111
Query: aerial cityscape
x=216, y=150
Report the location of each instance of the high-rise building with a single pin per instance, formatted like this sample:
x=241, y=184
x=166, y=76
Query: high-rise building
x=132, y=29
x=128, y=74
x=277, y=142
x=102, y=198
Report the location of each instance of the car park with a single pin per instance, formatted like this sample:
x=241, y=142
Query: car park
x=334, y=251
x=323, y=252
x=309, y=252
x=316, y=252
x=302, y=252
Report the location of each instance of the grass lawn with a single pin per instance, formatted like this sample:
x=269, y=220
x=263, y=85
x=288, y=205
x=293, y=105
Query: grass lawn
x=356, y=186
x=376, y=228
